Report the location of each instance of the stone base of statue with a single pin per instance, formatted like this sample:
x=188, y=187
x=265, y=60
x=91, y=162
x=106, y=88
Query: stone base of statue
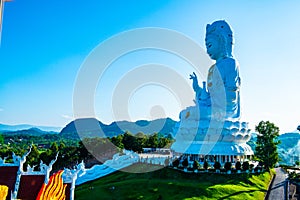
x=198, y=136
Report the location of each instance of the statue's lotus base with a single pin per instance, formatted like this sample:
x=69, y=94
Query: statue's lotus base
x=198, y=135
x=212, y=148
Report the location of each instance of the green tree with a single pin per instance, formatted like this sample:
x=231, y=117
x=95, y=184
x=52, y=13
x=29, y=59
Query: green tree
x=163, y=142
x=153, y=140
x=68, y=156
x=117, y=141
x=84, y=154
x=131, y=143
x=266, y=144
x=33, y=158
x=46, y=156
x=54, y=148
x=1, y=139
x=141, y=139
x=62, y=146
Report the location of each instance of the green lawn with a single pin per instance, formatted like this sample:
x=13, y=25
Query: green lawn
x=171, y=184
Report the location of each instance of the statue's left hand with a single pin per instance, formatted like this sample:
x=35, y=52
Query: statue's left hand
x=193, y=76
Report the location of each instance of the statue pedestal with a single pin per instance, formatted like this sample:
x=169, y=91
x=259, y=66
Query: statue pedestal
x=197, y=136
x=212, y=148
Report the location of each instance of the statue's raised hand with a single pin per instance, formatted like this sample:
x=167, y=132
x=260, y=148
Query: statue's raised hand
x=193, y=76
x=196, y=87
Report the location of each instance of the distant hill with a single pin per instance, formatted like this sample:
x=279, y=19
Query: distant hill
x=91, y=127
x=288, y=149
x=6, y=128
x=289, y=140
x=31, y=131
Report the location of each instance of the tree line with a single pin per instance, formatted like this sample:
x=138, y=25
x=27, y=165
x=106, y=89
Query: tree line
x=91, y=150
x=73, y=151
x=140, y=140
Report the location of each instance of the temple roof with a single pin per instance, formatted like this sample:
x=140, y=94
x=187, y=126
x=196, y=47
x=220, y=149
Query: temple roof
x=8, y=177
x=68, y=191
x=30, y=186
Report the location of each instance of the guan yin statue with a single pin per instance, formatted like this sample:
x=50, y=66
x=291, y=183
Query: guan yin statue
x=211, y=130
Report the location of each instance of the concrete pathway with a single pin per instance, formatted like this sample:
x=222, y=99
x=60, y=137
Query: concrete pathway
x=278, y=188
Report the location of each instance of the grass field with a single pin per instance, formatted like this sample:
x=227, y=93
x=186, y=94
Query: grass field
x=167, y=184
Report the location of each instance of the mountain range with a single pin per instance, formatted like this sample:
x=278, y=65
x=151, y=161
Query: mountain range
x=19, y=127
x=30, y=131
x=91, y=127
x=289, y=148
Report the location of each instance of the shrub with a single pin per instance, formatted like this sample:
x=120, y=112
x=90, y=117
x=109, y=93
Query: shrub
x=293, y=175
x=257, y=168
x=175, y=163
x=246, y=165
x=238, y=165
x=195, y=165
x=211, y=170
x=217, y=165
x=227, y=166
x=185, y=163
x=223, y=170
x=205, y=165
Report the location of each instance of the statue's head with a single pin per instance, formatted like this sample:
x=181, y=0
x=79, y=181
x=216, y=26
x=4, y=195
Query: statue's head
x=219, y=40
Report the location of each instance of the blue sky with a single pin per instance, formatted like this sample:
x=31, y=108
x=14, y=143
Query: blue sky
x=44, y=44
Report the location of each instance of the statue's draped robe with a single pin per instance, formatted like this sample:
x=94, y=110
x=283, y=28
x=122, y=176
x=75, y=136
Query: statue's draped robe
x=223, y=83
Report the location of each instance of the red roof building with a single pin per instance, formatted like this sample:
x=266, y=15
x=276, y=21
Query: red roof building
x=30, y=186
x=27, y=185
x=8, y=177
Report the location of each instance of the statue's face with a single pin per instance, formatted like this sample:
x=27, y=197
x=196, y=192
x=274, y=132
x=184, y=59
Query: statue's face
x=213, y=47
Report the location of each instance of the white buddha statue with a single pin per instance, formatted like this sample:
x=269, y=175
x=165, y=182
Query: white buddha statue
x=213, y=126
x=223, y=81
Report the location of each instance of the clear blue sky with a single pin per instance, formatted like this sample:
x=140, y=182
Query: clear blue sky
x=45, y=42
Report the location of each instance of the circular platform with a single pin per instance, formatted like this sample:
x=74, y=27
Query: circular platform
x=212, y=148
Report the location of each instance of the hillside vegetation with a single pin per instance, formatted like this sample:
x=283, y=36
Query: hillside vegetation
x=166, y=183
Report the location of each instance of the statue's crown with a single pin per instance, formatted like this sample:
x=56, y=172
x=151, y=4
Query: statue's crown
x=220, y=28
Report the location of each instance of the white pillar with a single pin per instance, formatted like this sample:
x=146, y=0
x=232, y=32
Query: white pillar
x=72, y=190
x=17, y=184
